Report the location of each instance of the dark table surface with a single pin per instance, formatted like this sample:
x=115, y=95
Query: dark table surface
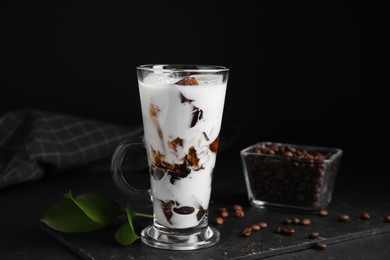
x=21, y=207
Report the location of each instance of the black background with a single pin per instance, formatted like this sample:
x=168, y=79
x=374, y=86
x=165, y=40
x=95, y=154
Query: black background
x=298, y=73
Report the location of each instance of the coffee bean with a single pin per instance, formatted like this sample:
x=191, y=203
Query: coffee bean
x=287, y=221
x=387, y=218
x=221, y=210
x=305, y=221
x=291, y=149
x=287, y=230
x=255, y=150
x=320, y=245
x=365, y=215
x=314, y=235
x=239, y=213
x=344, y=218
x=262, y=224
x=224, y=214
x=255, y=227
x=323, y=213
x=277, y=229
x=246, y=232
x=218, y=220
x=237, y=207
x=295, y=221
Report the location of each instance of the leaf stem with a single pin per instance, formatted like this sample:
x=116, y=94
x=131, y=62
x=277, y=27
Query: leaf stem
x=143, y=215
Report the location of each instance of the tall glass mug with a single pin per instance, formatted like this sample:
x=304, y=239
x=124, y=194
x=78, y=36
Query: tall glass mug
x=182, y=107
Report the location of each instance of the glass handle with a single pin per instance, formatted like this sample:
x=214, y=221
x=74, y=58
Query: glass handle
x=116, y=170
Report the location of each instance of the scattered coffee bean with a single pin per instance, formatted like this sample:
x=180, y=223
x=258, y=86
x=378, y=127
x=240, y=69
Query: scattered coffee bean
x=237, y=207
x=320, y=245
x=344, y=218
x=278, y=230
x=387, y=218
x=218, y=220
x=221, y=210
x=305, y=221
x=246, y=232
x=224, y=214
x=323, y=213
x=365, y=215
x=285, y=230
x=287, y=221
x=255, y=227
x=239, y=213
x=295, y=221
x=262, y=224
x=314, y=235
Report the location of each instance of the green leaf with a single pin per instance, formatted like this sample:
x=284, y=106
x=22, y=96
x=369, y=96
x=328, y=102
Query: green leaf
x=96, y=206
x=84, y=213
x=89, y=212
x=69, y=218
x=125, y=235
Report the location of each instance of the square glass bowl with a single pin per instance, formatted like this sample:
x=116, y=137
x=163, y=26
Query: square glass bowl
x=290, y=176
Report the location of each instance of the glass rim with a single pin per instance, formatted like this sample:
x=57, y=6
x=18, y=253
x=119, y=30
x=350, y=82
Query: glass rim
x=182, y=68
x=335, y=152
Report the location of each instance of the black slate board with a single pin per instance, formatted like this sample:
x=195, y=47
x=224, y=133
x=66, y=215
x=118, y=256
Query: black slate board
x=263, y=243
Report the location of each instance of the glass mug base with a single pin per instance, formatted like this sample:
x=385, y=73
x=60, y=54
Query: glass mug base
x=201, y=236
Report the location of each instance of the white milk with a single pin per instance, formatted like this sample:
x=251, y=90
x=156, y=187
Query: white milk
x=180, y=125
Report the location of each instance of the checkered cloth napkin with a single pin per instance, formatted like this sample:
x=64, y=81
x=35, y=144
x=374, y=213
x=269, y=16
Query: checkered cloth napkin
x=32, y=140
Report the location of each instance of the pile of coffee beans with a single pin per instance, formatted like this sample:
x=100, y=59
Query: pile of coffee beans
x=288, y=175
